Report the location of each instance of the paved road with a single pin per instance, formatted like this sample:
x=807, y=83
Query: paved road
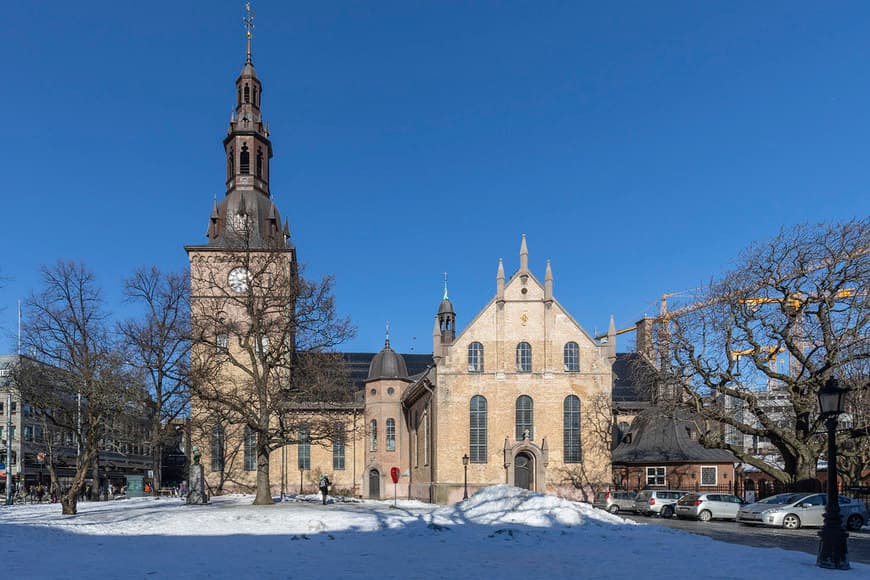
x=805, y=540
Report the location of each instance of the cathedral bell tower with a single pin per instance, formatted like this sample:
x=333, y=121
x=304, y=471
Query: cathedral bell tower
x=233, y=276
x=247, y=208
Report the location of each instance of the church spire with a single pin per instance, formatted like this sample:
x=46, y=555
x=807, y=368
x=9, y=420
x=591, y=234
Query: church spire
x=249, y=29
x=524, y=256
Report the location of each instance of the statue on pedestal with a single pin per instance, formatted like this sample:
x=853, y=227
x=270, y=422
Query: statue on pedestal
x=197, y=494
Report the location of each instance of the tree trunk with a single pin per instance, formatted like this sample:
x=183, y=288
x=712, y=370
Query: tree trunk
x=69, y=502
x=264, y=491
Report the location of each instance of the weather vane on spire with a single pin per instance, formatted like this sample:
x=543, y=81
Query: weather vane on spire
x=249, y=26
x=445, y=285
x=388, y=333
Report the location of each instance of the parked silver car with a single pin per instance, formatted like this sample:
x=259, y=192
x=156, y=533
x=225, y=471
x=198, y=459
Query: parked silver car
x=615, y=501
x=708, y=506
x=795, y=510
x=657, y=502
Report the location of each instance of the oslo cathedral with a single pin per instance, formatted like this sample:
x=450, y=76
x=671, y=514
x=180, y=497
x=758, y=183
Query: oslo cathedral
x=511, y=397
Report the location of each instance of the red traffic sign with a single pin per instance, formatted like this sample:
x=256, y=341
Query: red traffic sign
x=40, y=457
x=394, y=473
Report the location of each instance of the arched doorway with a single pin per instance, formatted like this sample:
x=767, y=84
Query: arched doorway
x=374, y=484
x=524, y=468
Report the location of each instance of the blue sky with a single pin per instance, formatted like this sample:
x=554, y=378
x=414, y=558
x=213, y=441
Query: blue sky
x=639, y=145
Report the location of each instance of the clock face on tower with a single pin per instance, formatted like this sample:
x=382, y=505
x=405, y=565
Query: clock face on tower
x=238, y=279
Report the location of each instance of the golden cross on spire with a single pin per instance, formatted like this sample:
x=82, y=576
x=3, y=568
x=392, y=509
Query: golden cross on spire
x=249, y=26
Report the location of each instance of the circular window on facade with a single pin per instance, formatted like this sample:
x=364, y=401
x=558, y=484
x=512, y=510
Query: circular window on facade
x=391, y=390
x=374, y=391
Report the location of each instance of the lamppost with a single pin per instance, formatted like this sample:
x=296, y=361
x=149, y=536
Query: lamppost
x=833, y=552
x=465, y=467
x=301, y=476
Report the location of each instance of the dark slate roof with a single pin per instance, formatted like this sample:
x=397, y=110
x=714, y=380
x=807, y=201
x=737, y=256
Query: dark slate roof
x=358, y=364
x=665, y=436
x=632, y=379
x=388, y=364
x=264, y=220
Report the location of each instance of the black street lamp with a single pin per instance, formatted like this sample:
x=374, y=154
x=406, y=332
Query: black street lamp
x=465, y=466
x=833, y=552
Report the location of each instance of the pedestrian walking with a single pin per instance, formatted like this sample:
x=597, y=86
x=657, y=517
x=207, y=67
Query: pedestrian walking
x=324, y=487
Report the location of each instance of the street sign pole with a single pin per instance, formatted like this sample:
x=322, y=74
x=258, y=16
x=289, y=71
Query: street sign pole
x=9, y=498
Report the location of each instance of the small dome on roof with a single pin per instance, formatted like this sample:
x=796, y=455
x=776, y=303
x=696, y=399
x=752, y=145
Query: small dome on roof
x=388, y=364
x=446, y=307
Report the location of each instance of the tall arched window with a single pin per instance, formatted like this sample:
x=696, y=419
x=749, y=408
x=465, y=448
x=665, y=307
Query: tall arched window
x=524, y=357
x=572, y=357
x=477, y=430
x=231, y=164
x=256, y=96
x=250, y=449
x=259, y=162
x=304, y=449
x=426, y=437
x=391, y=434
x=525, y=418
x=338, y=447
x=416, y=439
x=475, y=357
x=245, y=160
x=571, y=430
x=247, y=93
x=217, y=448
x=373, y=435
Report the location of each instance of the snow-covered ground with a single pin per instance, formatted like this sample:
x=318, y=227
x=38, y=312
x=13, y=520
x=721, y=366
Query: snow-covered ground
x=500, y=532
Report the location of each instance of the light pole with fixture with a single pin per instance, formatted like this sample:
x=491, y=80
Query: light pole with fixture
x=833, y=552
x=465, y=467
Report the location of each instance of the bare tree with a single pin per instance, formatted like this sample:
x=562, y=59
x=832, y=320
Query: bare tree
x=261, y=352
x=159, y=344
x=89, y=383
x=753, y=354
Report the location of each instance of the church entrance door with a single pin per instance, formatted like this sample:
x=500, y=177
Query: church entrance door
x=374, y=484
x=523, y=466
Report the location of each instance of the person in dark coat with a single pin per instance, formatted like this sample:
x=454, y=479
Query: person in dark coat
x=324, y=487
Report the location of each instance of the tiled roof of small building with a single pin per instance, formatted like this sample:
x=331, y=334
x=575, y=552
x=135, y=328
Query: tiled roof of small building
x=660, y=435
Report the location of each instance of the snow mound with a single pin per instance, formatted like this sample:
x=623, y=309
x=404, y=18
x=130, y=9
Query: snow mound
x=506, y=504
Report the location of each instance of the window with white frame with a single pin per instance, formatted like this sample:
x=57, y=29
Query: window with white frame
x=303, y=459
x=391, y=434
x=709, y=475
x=338, y=460
x=477, y=431
x=571, y=356
x=656, y=476
x=524, y=357
x=475, y=357
x=250, y=449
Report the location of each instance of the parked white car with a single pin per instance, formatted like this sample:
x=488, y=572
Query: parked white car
x=708, y=506
x=795, y=510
